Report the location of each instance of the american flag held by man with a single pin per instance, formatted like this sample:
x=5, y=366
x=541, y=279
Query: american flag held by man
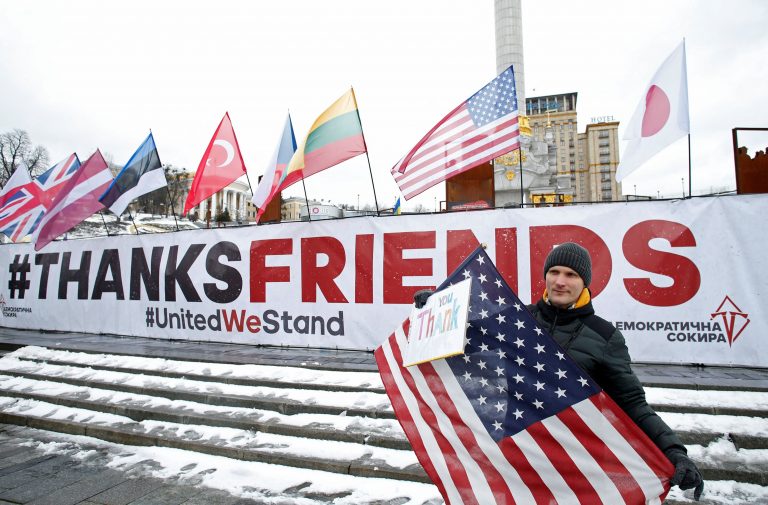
x=514, y=419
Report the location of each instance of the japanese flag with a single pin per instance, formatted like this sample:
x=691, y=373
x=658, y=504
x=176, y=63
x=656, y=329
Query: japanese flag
x=661, y=116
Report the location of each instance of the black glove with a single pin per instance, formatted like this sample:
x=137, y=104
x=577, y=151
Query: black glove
x=420, y=297
x=686, y=476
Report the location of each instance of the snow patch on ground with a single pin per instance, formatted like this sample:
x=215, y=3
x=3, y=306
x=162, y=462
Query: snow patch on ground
x=215, y=435
x=246, y=478
x=243, y=478
x=389, y=427
x=722, y=451
x=706, y=398
x=261, y=372
x=366, y=400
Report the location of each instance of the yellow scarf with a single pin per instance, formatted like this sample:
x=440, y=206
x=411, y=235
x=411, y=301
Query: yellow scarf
x=584, y=298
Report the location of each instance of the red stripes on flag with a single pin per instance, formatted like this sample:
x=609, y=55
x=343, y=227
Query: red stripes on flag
x=451, y=462
x=584, y=454
x=609, y=463
x=482, y=128
x=455, y=147
x=466, y=470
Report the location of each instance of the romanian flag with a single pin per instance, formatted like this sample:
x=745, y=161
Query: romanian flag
x=335, y=136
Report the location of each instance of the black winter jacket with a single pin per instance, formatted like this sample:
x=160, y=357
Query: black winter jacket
x=599, y=348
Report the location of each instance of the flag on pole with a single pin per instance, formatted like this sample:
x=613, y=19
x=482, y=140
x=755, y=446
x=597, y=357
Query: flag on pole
x=222, y=163
x=52, y=180
x=16, y=197
x=396, y=210
x=661, y=116
x=23, y=216
x=514, y=419
x=19, y=179
x=141, y=175
x=44, y=189
x=275, y=173
x=482, y=128
x=335, y=136
x=76, y=201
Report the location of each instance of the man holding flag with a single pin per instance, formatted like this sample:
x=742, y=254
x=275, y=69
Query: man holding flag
x=525, y=417
x=565, y=309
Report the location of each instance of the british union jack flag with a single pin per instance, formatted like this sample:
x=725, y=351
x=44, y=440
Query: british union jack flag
x=25, y=202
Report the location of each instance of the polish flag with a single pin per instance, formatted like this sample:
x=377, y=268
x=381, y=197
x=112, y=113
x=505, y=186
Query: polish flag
x=661, y=116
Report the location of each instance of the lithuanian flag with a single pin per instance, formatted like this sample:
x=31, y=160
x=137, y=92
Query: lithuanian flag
x=335, y=136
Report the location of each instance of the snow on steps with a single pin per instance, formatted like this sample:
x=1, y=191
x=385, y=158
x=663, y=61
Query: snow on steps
x=340, y=422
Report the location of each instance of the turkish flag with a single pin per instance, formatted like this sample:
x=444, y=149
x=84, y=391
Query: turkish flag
x=222, y=163
x=661, y=116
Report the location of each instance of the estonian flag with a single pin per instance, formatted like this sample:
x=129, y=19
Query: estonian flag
x=141, y=175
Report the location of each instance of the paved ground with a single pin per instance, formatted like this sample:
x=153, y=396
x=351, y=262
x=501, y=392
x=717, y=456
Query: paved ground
x=33, y=477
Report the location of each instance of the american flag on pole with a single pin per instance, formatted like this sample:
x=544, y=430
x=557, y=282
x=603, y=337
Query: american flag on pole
x=31, y=202
x=514, y=419
x=480, y=129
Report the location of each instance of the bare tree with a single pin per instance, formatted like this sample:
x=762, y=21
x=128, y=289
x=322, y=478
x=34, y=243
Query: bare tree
x=166, y=199
x=178, y=187
x=113, y=167
x=16, y=148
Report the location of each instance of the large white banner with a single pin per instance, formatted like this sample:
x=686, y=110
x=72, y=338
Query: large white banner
x=682, y=280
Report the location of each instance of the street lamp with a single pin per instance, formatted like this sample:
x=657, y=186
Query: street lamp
x=682, y=181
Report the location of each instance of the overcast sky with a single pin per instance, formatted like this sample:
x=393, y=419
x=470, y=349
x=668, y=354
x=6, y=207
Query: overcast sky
x=78, y=75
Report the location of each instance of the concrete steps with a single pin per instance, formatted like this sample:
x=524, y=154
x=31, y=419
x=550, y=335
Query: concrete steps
x=333, y=425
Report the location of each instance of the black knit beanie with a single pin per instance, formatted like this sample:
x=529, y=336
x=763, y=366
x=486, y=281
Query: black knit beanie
x=573, y=256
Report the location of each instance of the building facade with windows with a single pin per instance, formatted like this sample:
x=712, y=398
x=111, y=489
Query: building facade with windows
x=589, y=158
x=236, y=198
x=290, y=209
x=600, y=145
